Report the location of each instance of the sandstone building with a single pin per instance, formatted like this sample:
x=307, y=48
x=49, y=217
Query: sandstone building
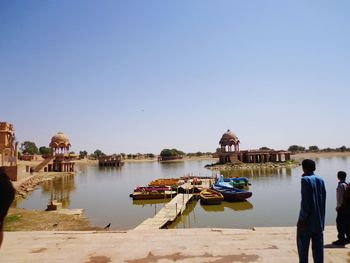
x=229, y=152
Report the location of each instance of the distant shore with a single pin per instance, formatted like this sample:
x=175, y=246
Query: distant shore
x=22, y=219
x=319, y=154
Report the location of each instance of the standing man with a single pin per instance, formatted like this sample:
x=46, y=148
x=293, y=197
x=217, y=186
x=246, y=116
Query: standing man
x=7, y=194
x=343, y=213
x=312, y=213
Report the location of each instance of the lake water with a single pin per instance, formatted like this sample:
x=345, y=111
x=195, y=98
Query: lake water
x=104, y=194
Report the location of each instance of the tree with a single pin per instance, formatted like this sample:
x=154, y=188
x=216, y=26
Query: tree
x=44, y=150
x=171, y=153
x=28, y=147
x=342, y=149
x=150, y=155
x=83, y=154
x=313, y=148
x=264, y=148
x=98, y=153
x=296, y=148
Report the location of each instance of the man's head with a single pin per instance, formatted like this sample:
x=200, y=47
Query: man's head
x=309, y=166
x=341, y=175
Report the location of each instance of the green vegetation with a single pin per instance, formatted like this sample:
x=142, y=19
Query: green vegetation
x=150, y=155
x=199, y=154
x=97, y=154
x=296, y=148
x=171, y=153
x=264, y=148
x=44, y=150
x=83, y=154
x=12, y=218
x=314, y=148
x=28, y=147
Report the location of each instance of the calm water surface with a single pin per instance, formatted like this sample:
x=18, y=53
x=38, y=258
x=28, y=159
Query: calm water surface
x=104, y=194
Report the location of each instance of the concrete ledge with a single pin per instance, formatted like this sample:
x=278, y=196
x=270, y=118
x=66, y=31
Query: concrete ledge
x=173, y=245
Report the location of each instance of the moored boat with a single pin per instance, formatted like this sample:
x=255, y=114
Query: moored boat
x=211, y=197
x=152, y=188
x=165, y=181
x=239, y=182
x=196, y=181
x=152, y=194
x=231, y=193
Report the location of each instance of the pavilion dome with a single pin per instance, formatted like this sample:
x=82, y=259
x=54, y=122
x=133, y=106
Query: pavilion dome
x=60, y=140
x=229, y=138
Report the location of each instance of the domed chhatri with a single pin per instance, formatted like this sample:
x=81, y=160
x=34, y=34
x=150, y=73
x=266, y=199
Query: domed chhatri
x=228, y=139
x=60, y=143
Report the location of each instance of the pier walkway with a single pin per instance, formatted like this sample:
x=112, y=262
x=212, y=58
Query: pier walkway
x=175, y=207
x=168, y=213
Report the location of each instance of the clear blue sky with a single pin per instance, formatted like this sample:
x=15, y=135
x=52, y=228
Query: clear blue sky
x=140, y=76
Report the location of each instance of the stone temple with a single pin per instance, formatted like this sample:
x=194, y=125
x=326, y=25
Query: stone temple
x=8, y=150
x=229, y=152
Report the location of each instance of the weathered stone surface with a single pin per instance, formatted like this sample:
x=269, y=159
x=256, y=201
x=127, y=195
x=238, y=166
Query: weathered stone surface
x=176, y=245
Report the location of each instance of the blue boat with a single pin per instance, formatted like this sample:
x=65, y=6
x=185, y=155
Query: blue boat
x=239, y=182
x=231, y=193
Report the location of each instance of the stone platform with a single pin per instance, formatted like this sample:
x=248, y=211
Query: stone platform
x=157, y=246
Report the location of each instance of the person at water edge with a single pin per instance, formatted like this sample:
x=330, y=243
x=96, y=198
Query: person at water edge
x=343, y=212
x=311, y=220
x=7, y=194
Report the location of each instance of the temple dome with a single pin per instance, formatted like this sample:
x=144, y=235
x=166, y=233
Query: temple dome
x=60, y=140
x=229, y=138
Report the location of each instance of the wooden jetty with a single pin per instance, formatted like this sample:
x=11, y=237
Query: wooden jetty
x=168, y=213
x=188, y=187
x=176, y=206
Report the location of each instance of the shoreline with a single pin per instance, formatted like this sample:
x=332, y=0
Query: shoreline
x=19, y=219
x=319, y=154
x=27, y=184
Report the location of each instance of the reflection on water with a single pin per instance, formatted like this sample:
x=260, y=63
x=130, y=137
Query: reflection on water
x=235, y=206
x=155, y=204
x=150, y=202
x=258, y=172
x=104, y=194
x=238, y=206
x=187, y=219
x=60, y=189
x=213, y=208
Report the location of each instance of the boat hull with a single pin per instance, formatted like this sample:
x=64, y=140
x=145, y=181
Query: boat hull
x=211, y=197
x=152, y=195
x=233, y=194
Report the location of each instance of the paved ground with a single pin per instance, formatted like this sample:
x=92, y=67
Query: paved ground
x=148, y=246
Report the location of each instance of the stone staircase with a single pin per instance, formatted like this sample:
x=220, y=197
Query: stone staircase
x=43, y=164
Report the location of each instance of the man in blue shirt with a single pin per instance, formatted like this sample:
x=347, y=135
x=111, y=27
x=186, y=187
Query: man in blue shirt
x=312, y=214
